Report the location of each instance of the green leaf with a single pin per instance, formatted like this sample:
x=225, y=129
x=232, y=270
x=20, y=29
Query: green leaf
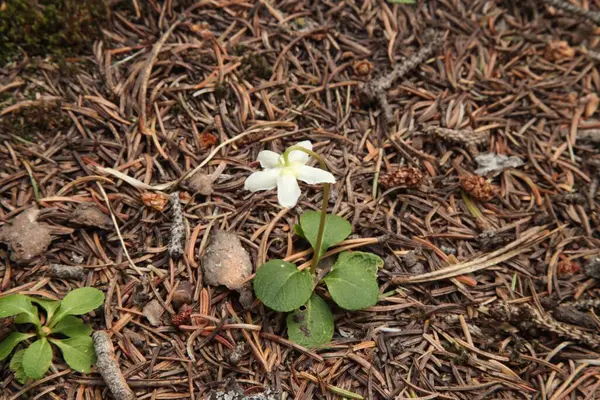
x=37, y=359
x=298, y=231
x=281, y=286
x=16, y=365
x=370, y=261
x=11, y=341
x=26, y=319
x=77, y=302
x=352, y=281
x=336, y=229
x=18, y=304
x=78, y=352
x=49, y=305
x=72, y=326
x=312, y=325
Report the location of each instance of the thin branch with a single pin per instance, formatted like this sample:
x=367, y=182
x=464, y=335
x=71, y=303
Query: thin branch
x=593, y=16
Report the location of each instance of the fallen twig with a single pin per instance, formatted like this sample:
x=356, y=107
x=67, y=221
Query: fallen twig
x=61, y=271
x=376, y=89
x=463, y=136
x=511, y=250
x=526, y=313
x=177, y=227
x=584, y=304
x=108, y=366
x=572, y=9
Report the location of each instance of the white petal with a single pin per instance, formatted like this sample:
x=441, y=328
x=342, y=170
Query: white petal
x=299, y=157
x=313, y=175
x=288, y=191
x=262, y=180
x=268, y=158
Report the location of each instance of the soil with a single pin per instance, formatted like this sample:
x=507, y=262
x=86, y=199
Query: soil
x=490, y=286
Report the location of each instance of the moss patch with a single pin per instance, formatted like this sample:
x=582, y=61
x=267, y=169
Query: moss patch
x=61, y=28
x=43, y=119
x=256, y=65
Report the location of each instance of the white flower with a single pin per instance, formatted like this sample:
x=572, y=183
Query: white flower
x=284, y=176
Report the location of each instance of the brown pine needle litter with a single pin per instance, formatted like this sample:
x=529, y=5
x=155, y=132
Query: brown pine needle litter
x=490, y=286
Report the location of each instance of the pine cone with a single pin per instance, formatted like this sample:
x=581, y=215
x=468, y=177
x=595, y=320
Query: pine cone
x=406, y=176
x=182, y=316
x=478, y=188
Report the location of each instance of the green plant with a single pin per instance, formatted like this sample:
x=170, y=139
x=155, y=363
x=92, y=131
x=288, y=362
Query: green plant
x=56, y=325
x=281, y=286
x=62, y=28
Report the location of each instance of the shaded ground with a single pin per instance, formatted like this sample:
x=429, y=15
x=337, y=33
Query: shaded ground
x=171, y=81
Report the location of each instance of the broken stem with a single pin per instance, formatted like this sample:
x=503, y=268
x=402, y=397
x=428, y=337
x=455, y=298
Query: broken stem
x=326, y=190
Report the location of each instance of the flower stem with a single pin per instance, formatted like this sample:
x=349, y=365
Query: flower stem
x=326, y=191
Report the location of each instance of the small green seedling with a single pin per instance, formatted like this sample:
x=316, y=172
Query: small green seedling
x=57, y=324
x=351, y=282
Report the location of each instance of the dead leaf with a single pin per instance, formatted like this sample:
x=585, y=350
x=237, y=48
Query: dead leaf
x=494, y=164
x=153, y=312
x=26, y=237
x=207, y=140
x=200, y=183
x=183, y=294
x=226, y=262
x=185, y=197
x=89, y=215
x=566, y=268
x=558, y=50
x=157, y=201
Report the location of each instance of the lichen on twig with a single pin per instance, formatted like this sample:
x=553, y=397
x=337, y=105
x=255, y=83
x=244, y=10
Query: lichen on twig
x=61, y=271
x=593, y=16
x=465, y=136
x=375, y=90
x=177, y=227
x=108, y=366
x=525, y=313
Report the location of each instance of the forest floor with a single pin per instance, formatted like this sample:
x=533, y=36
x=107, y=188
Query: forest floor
x=464, y=139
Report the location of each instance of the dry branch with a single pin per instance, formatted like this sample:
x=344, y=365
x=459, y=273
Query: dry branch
x=528, y=314
x=108, y=366
x=564, y=5
x=377, y=89
x=61, y=271
x=529, y=239
x=177, y=227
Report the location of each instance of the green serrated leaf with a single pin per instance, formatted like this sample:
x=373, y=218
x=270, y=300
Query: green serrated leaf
x=311, y=326
x=352, y=281
x=18, y=304
x=49, y=305
x=37, y=359
x=11, y=341
x=72, y=326
x=78, y=352
x=16, y=365
x=336, y=229
x=281, y=286
x=77, y=302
